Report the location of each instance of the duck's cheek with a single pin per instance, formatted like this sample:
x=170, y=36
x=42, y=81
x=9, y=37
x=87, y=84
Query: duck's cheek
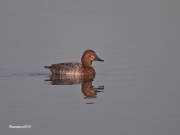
x=92, y=58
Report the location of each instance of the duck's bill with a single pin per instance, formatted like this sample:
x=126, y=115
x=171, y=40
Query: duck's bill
x=98, y=59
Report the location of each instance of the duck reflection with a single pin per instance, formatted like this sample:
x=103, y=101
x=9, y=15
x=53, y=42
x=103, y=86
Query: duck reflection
x=88, y=90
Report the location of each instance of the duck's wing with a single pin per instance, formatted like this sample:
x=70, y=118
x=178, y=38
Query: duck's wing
x=65, y=68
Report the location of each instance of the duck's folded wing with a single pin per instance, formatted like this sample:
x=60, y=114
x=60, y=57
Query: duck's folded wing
x=65, y=68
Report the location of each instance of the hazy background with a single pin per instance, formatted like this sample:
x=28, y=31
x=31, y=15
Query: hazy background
x=139, y=40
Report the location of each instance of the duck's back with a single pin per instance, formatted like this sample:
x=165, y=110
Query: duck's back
x=66, y=68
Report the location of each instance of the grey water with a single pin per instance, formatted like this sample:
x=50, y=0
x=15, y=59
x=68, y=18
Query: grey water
x=140, y=76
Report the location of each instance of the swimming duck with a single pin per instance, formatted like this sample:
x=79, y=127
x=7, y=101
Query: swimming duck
x=75, y=68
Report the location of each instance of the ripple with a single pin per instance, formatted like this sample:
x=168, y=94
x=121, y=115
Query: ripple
x=26, y=74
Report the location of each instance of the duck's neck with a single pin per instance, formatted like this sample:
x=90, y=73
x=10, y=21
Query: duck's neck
x=86, y=63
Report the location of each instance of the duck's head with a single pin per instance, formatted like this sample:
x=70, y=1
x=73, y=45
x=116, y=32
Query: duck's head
x=88, y=57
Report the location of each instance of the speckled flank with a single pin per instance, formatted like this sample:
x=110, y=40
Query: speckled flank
x=76, y=68
x=66, y=68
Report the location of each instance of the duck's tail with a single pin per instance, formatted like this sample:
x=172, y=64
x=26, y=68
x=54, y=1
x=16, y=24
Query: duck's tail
x=47, y=67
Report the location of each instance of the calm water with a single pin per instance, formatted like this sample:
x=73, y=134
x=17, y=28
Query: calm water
x=139, y=43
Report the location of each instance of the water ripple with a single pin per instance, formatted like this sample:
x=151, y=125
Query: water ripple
x=25, y=74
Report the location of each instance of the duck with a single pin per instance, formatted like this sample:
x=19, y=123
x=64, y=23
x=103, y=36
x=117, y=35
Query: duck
x=75, y=68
